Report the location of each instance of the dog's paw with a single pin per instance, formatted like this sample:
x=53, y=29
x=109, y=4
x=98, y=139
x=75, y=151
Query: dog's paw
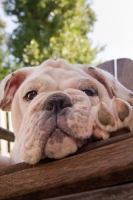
x=111, y=118
x=99, y=133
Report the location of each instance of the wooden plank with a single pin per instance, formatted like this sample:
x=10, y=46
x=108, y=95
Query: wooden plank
x=120, y=192
x=6, y=135
x=99, y=168
x=88, y=147
x=107, y=66
x=125, y=72
x=109, y=141
x=22, y=166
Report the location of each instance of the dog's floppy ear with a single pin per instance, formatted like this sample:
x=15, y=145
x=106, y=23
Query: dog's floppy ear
x=113, y=87
x=8, y=87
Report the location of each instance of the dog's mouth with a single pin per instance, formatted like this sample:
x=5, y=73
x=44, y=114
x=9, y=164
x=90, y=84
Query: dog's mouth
x=60, y=144
x=57, y=136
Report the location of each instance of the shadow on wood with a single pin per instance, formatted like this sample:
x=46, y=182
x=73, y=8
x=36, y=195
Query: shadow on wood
x=120, y=192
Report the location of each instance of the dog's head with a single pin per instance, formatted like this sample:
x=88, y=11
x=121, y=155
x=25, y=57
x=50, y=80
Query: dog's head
x=51, y=106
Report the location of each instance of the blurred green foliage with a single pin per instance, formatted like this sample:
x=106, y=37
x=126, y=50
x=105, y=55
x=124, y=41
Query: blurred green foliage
x=51, y=29
x=7, y=62
x=2, y=26
x=3, y=70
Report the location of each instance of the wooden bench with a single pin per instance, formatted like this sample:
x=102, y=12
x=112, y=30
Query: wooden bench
x=100, y=170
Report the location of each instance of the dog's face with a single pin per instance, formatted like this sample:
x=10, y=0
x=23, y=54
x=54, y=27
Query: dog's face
x=51, y=107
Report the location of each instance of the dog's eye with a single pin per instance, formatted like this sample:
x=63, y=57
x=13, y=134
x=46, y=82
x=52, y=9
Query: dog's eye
x=30, y=95
x=89, y=92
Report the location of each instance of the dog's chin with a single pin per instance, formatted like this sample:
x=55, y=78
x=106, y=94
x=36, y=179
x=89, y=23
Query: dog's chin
x=60, y=145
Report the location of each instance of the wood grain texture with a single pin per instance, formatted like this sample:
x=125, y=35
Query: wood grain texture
x=121, y=192
x=101, y=143
x=99, y=168
x=88, y=147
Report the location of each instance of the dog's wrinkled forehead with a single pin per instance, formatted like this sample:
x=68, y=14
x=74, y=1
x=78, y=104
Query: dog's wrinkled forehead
x=57, y=75
x=61, y=68
x=59, y=63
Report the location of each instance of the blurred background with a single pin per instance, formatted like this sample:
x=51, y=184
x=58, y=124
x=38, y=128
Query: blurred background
x=80, y=31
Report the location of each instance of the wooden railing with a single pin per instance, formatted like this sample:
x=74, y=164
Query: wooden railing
x=6, y=133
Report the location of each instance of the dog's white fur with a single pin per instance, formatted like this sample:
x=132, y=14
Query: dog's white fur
x=41, y=132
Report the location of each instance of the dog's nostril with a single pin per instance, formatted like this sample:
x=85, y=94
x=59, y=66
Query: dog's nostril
x=57, y=104
x=49, y=106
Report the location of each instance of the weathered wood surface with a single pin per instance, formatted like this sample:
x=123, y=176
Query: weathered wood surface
x=102, y=143
x=99, y=168
x=88, y=147
x=121, y=192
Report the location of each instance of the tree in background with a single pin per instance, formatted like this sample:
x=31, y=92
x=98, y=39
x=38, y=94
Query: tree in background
x=2, y=26
x=3, y=71
x=7, y=62
x=51, y=29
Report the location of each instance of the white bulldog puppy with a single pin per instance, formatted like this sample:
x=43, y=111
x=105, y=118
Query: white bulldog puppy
x=56, y=107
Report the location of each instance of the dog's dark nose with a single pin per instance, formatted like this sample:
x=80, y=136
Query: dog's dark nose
x=56, y=104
